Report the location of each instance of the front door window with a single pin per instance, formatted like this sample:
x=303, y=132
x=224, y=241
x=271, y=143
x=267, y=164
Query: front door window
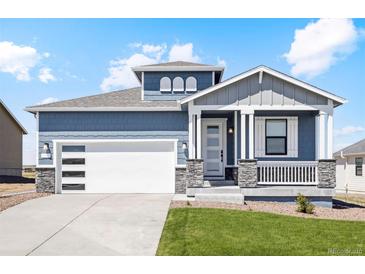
x=213, y=149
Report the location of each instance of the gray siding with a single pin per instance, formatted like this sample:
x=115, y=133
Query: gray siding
x=113, y=125
x=152, y=84
x=272, y=91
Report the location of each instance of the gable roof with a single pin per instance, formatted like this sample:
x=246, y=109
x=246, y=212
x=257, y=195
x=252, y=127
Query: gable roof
x=339, y=100
x=129, y=99
x=13, y=117
x=178, y=66
x=357, y=148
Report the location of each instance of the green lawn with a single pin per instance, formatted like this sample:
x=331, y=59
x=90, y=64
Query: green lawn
x=204, y=231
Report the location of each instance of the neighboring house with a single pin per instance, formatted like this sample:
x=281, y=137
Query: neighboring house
x=11, y=143
x=184, y=130
x=350, y=168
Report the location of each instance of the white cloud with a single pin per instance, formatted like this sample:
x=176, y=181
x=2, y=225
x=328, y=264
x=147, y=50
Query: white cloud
x=17, y=60
x=221, y=62
x=183, y=52
x=320, y=45
x=348, y=130
x=120, y=73
x=46, y=54
x=45, y=75
x=48, y=100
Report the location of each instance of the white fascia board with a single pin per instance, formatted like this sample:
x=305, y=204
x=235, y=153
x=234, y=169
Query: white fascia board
x=13, y=117
x=268, y=71
x=50, y=109
x=178, y=68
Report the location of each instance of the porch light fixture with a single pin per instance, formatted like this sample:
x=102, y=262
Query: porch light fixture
x=184, y=146
x=46, y=152
x=230, y=130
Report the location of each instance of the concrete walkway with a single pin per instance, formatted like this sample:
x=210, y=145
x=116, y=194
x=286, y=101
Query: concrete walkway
x=85, y=224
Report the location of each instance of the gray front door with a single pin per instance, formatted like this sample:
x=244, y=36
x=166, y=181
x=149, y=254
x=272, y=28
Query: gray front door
x=212, y=145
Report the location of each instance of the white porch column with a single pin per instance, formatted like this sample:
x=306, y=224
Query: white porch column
x=198, y=136
x=235, y=138
x=191, y=132
x=243, y=135
x=321, y=135
x=251, y=136
x=329, y=136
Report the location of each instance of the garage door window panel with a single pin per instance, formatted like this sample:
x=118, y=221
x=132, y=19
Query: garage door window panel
x=73, y=174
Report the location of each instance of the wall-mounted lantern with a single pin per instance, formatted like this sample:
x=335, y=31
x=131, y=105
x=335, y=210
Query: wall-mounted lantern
x=46, y=152
x=230, y=130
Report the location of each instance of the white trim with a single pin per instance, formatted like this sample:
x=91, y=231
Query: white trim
x=13, y=117
x=52, y=109
x=198, y=136
x=191, y=132
x=175, y=85
x=37, y=139
x=243, y=135
x=88, y=141
x=235, y=138
x=329, y=136
x=213, y=78
x=180, y=165
x=142, y=86
x=251, y=136
x=250, y=109
x=223, y=122
x=292, y=136
x=177, y=68
x=188, y=87
x=269, y=71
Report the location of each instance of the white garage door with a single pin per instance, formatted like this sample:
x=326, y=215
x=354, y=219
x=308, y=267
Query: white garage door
x=118, y=167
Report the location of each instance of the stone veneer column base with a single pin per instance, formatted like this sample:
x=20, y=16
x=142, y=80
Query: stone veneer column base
x=326, y=173
x=180, y=180
x=247, y=173
x=195, y=172
x=45, y=180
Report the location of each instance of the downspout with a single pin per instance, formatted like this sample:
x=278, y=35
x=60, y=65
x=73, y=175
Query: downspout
x=346, y=184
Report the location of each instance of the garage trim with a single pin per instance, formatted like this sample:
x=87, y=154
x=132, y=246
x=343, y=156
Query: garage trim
x=57, y=144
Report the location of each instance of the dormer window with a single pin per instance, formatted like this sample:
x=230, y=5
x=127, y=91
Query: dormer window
x=178, y=84
x=165, y=84
x=191, y=84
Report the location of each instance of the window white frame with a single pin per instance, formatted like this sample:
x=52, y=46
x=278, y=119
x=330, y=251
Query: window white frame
x=165, y=84
x=178, y=84
x=292, y=136
x=191, y=84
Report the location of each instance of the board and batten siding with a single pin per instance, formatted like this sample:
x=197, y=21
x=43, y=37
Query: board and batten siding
x=152, y=84
x=113, y=125
x=272, y=91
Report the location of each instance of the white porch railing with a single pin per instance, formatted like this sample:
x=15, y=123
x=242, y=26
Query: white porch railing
x=287, y=172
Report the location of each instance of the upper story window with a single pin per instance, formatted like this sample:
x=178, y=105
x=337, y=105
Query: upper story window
x=178, y=84
x=358, y=166
x=165, y=84
x=191, y=84
x=276, y=137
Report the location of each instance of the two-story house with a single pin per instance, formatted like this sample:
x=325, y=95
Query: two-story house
x=260, y=135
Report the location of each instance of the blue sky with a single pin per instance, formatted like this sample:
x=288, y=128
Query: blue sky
x=54, y=59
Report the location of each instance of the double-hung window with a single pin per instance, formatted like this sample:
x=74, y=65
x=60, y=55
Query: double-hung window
x=276, y=137
x=358, y=166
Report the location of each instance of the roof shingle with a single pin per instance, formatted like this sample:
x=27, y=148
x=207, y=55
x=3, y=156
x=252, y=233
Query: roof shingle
x=121, y=98
x=356, y=148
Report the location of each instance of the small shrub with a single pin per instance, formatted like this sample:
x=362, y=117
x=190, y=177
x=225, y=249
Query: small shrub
x=304, y=205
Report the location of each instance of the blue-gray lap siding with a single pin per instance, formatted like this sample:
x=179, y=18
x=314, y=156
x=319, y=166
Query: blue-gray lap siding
x=113, y=125
x=152, y=84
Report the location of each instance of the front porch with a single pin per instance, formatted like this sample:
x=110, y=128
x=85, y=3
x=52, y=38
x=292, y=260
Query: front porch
x=229, y=159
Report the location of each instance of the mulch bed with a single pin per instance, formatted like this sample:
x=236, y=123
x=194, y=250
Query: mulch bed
x=6, y=202
x=353, y=214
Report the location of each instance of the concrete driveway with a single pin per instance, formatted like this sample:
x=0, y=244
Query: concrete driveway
x=87, y=224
